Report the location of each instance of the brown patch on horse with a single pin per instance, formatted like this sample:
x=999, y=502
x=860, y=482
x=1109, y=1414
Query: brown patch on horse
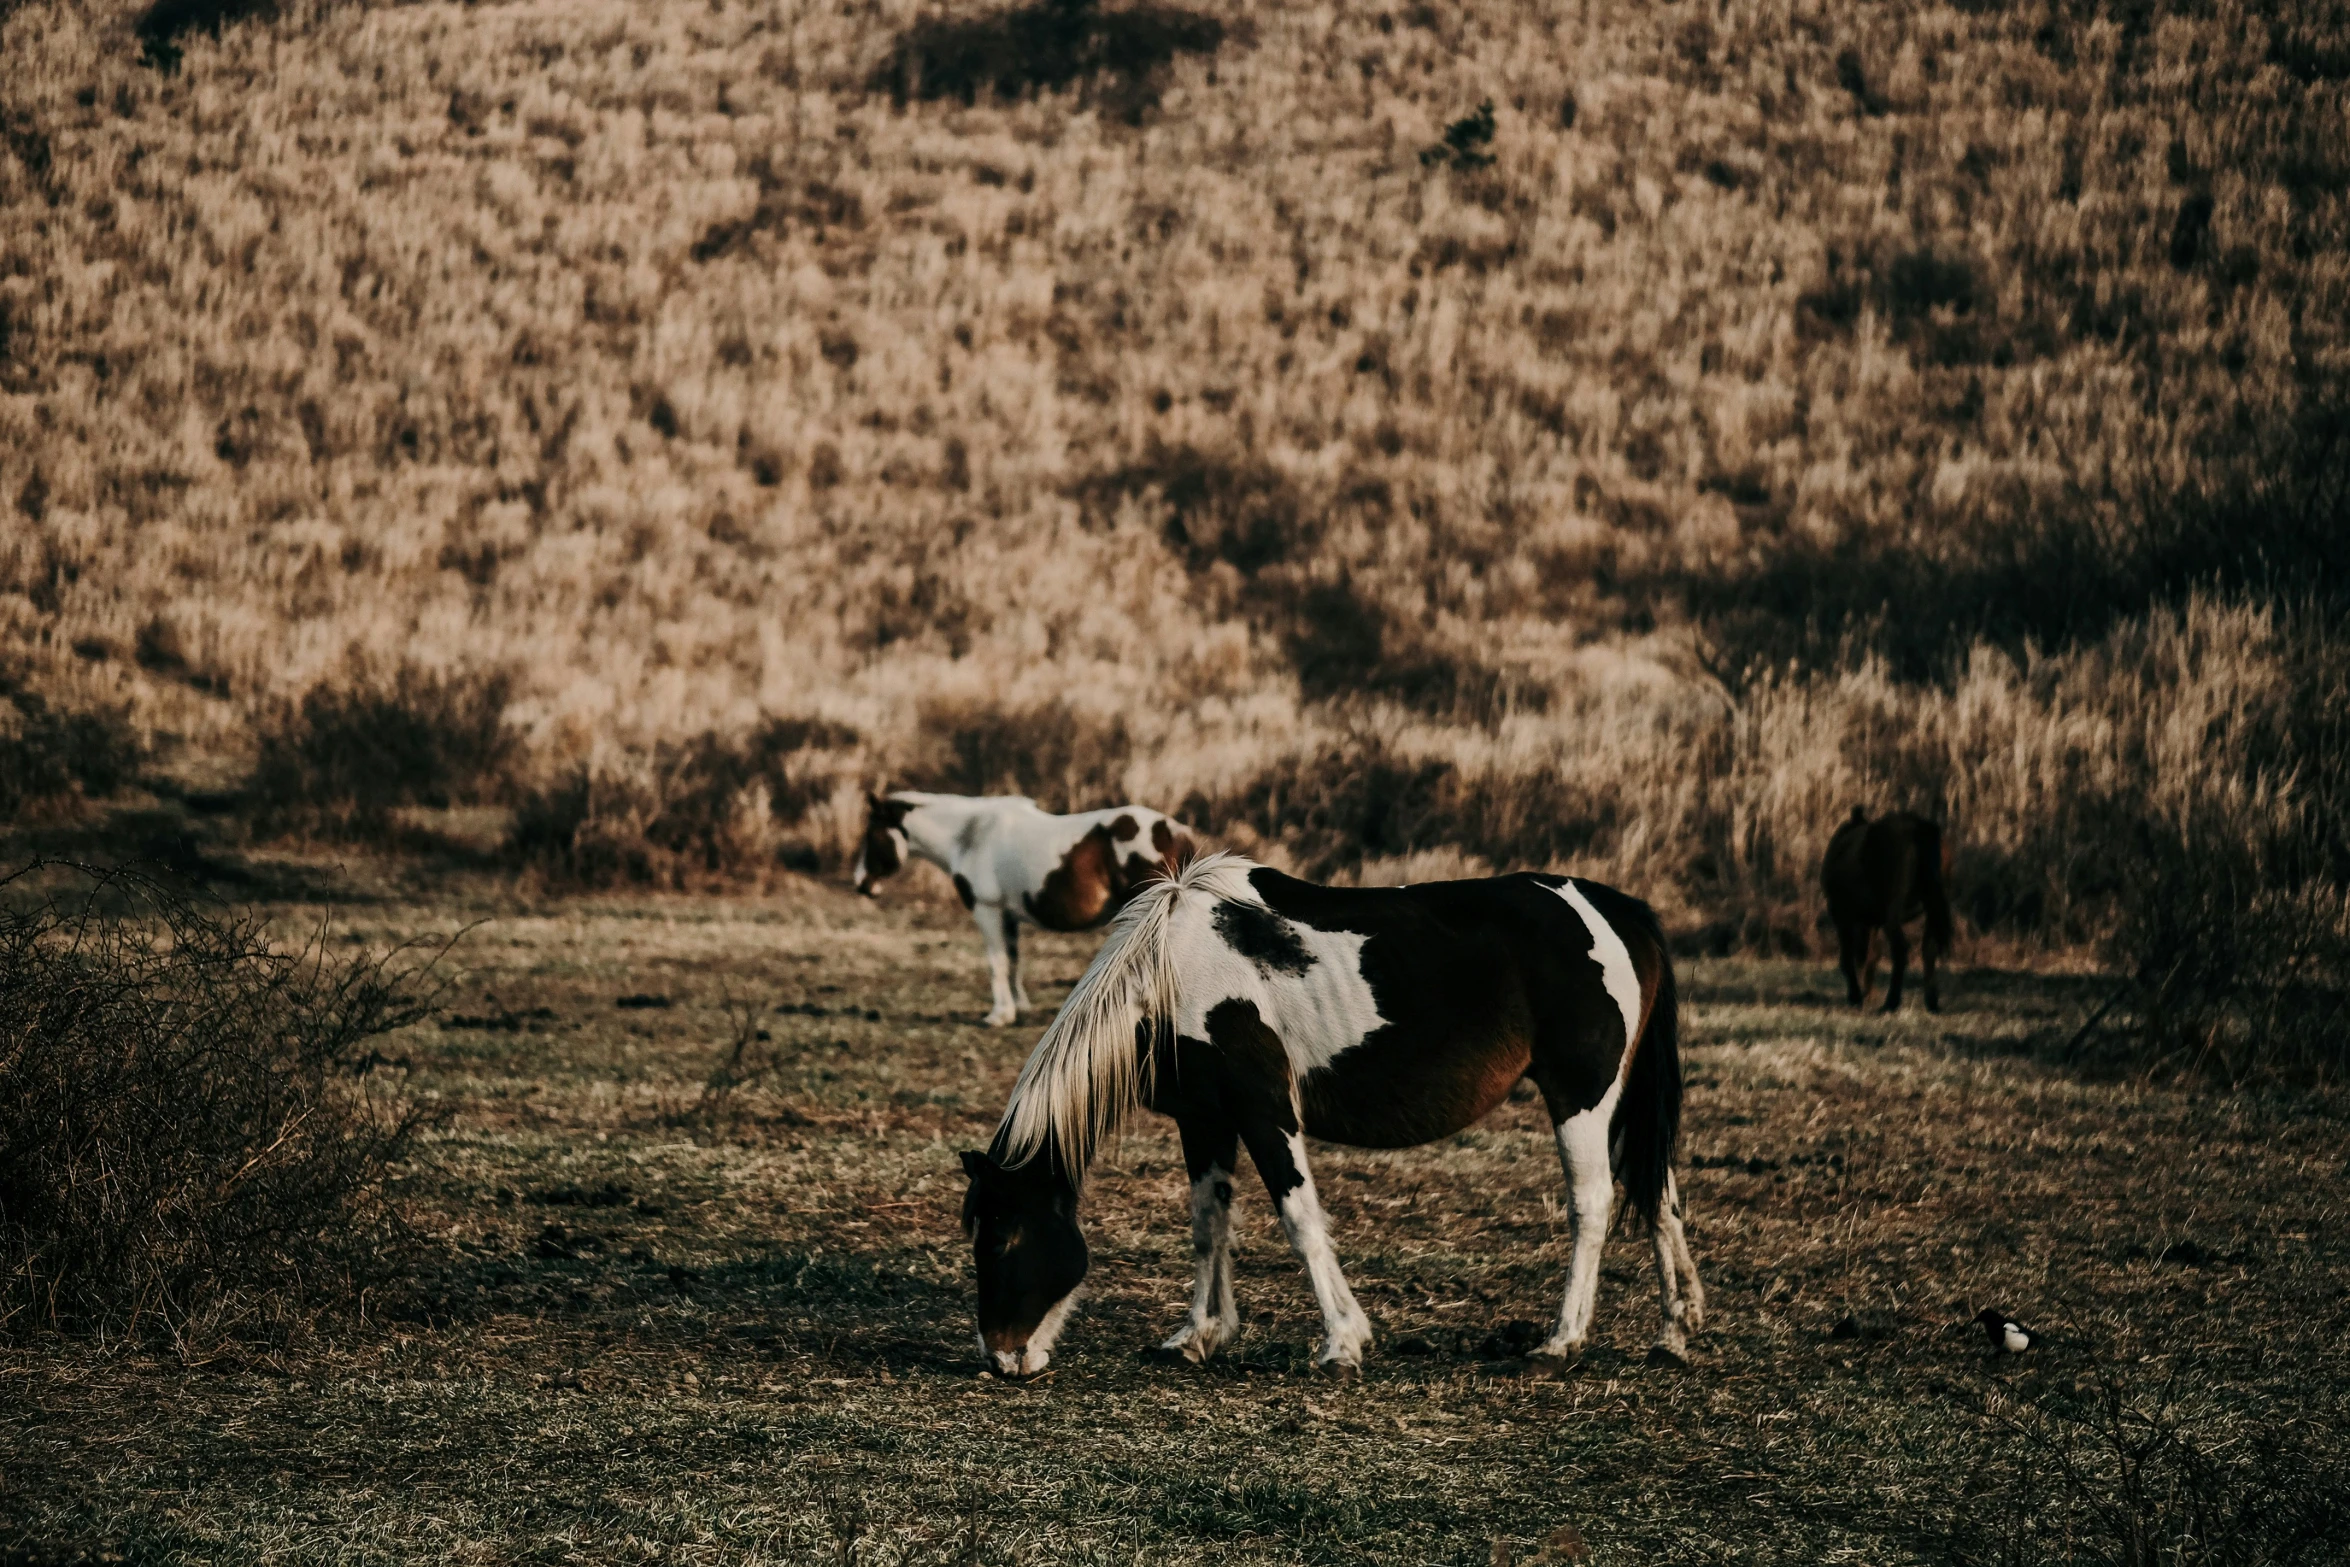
x=1082, y=890
x=1176, y=850
x=1124, y=827
x=963, y=891
x=1419, y=1096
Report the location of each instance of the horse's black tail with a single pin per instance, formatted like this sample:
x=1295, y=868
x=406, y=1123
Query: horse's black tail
x=1933, y=862
x=1648, y=1117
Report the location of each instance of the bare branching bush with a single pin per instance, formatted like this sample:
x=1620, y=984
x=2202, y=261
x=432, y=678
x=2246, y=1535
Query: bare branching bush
x=2154, y=1465
x=194, y=1122
x=353, y=750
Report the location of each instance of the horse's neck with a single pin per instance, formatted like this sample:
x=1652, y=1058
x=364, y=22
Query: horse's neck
x=1048, y=1156
x=939, y=830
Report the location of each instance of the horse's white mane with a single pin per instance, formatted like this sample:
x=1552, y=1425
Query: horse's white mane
x=1086, y=1073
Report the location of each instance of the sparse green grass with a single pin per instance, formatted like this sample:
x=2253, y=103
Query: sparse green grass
x=752, y=1334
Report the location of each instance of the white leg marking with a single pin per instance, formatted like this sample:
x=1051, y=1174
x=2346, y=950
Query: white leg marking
x=1692, y=1289
x=1346, y=1331
x=1020, y=1001
x=1591, y=1193
x=999, y=966
x=1215, y=1314
x=1037, y=1353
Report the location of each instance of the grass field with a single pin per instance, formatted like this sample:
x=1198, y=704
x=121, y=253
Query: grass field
x=1155, y=420
x=651, y=1320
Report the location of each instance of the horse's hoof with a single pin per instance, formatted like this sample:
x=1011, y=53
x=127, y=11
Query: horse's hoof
x=1340, y=1370
x=1665, y=1356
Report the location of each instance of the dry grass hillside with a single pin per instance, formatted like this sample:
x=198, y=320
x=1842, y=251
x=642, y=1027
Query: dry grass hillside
x=670, y=418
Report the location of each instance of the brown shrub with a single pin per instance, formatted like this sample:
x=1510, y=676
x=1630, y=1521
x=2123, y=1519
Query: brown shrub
x=1358, y=800
x=1046, y=47
x=1049, y=752
x=2232, y=927
x=716, y=806
x=47, y=753
x=345, y=756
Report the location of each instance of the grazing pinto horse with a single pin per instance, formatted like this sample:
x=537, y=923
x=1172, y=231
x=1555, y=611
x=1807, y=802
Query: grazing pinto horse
x=1878, y=875
x=1012, y=862
x=1259, y=1010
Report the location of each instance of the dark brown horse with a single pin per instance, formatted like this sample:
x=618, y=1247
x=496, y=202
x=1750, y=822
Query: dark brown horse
x=1877, y=876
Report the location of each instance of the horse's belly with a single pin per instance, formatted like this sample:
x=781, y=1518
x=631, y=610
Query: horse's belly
x=1392, y=1093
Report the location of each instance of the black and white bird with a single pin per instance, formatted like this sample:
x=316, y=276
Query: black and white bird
x=2008, y=1336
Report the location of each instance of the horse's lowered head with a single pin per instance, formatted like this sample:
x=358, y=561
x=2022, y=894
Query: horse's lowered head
x=883, y=850
x=1032, y=1258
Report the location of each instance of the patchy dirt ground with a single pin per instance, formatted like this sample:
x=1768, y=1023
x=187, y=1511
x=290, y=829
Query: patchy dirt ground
x=663, y=1320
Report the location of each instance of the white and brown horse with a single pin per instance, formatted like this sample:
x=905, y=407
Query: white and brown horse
x=1013, y=863
x=1259, y=1010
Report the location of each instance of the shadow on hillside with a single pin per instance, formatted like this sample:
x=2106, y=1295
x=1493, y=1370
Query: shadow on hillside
x=1045, y=47
x=161, y=26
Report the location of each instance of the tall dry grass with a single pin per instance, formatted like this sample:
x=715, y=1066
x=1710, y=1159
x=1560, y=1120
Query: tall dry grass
x=1806, y=406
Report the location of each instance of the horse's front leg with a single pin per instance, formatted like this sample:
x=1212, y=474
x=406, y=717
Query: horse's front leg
x=1280, y=1156
x=1852, y=941
x=1020, y=1002
x=992, y=929
x=1211, y=1152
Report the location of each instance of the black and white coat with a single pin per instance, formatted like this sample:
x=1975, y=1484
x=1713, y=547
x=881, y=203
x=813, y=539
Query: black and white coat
x=1259, y=1010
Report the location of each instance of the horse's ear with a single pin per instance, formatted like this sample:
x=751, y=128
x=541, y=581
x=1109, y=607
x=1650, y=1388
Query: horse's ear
x=976, y=1164
x=1860, y=813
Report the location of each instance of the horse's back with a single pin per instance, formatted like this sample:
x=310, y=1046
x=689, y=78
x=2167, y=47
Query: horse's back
x=1890, y=868
x=1407, y=1013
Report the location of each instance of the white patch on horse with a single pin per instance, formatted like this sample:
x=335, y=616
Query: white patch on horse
x=1583, y=1142
x=1591, y=1194
x=1346, y=1331
x=1037, y=1353
x=1614, y=960
x=1318, y=1015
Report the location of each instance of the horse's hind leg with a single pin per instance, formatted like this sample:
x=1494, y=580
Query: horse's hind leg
x=1679, y=1290
x=1591, y=1192
x=1210, y=1154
